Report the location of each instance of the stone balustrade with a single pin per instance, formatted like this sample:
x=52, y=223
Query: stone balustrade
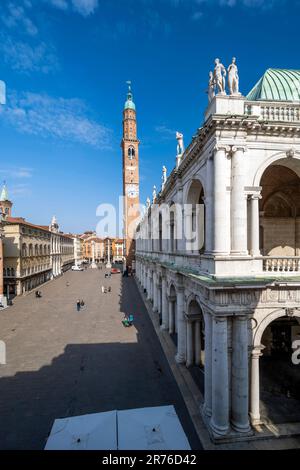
x=288, y=112
x=289, y=264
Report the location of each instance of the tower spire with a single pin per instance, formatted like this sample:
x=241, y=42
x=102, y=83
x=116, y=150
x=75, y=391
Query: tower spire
x=129, y=104
x=4, y=193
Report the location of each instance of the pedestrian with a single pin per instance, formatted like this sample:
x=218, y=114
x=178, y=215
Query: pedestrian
x=102, y=288
x=78, y=305
x=109, y=289
x=67, y=283
x=82, y=303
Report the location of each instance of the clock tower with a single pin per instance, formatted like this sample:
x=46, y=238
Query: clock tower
x=130, y=151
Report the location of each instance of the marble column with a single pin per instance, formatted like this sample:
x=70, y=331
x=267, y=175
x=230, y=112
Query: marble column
x=208, y=365
x=220, y=389
x=155, y=293
x=240, y=375
x=208, y=201
x=148, y=285
x=238, y=203
x=190, y=345
x=220, y=213
x=197, y=327
x=188, y=228
x=181, y=327
x=164, y=305
x=171, y=317
x=255, y=392
x=255, y=225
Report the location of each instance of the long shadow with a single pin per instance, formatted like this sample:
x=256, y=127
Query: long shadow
x=89, y=378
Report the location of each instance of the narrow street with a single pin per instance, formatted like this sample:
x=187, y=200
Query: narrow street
x=61, y=362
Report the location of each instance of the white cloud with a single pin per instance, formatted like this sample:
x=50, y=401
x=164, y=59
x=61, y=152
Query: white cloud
x=23, y=57
x=83, y=7
x=165, y=132
x=15, y=16
x=61, y=4
x=19, y=190
x=16, y=172
x=59, y=118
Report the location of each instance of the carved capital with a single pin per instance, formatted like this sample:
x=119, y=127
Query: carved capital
x=239, y=148
x=221, y=147
x=255, y=196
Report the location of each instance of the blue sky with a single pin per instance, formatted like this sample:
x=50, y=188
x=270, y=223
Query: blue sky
x=65, y=64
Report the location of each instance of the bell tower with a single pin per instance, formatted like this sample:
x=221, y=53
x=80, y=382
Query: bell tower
x=5, y=203
x=130, y=155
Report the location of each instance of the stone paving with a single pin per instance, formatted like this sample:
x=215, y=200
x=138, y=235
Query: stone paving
x=61, y=362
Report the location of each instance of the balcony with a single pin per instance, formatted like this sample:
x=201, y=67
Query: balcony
x=226, y=265
x=268, y=111
x=281, y=264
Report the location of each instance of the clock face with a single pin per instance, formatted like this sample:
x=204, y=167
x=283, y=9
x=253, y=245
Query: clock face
x=132, y=190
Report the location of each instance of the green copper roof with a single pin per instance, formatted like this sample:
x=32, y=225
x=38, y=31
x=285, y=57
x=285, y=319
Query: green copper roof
x=277, y=85
x=4, y=193
x=129, y=104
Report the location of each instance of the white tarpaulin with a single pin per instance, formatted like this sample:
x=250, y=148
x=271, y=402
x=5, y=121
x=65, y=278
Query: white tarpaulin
x=97, y=431
x=156, y=428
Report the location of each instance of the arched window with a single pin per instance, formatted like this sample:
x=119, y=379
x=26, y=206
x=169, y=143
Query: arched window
x=36, y=250
x=24, y=250
x=131, y=152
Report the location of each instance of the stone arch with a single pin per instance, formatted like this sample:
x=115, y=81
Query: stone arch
x=261, y=327
x=285, y=199
x=274, y=158
x=171, y=288
x=194, y=215
x=195, y=298
x=189, y=184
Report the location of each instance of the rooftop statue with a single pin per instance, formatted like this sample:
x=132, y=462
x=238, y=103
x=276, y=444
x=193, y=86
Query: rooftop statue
x=233, y=78
x=211, y=87
x=154, y=193
x=164, y=176
x=219, y=76
x=180, y=146
x=148, y=203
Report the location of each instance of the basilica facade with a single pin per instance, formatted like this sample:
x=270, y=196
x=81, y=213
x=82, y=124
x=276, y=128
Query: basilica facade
x=218, y=253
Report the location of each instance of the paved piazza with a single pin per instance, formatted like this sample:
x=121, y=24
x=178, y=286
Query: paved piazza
x=61, y=362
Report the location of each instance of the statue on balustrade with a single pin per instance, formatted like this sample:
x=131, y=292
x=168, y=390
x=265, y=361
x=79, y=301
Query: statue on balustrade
x=180, y=146
x=164, y=176
x=233, y=78
x=219, y=77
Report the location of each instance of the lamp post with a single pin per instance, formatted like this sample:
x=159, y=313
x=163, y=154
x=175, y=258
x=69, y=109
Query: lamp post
x=108, y=264
x=93, y=265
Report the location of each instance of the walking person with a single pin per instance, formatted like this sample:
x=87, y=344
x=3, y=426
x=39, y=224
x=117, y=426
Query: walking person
x=81, y=303
x=78, y=305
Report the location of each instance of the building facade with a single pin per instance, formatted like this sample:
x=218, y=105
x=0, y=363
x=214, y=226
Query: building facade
x=27, y=256
x=218, y=254
x=78, y=249
x=130, y=159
